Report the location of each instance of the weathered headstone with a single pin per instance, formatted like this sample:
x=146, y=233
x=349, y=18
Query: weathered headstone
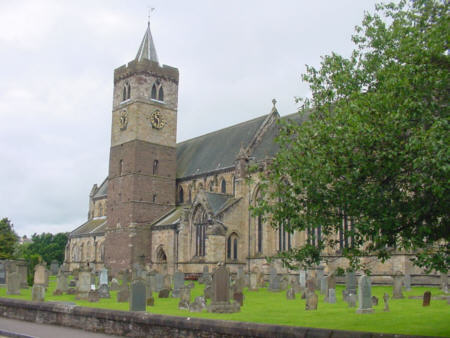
x=38, y=293
x=350, y=282
x=239, y=298
x=159, y=282
x=397, y=286
x=319, y=275
x=138, y=300
x=407, y=282
x=284, y=282
x=124, y=294
x=198, y=305
x=178, y=283
x=253, y=282
x=296, y=286
x=115, y=285
x=103, y=291
x=54, y=268
x=311, y=301
x=386, y=302
x=22, y=268
x=185, y=298
x=332, y=296
x=84, y=285
x=260, y=279
x=13, y=283
x=324, y=285
x=164, y=293
x=205, y=275
x=274, y=280
x=290, y=294
x=426, y=298
x=61, y=282
x=351, y=299
x=272, y=274
x=93, y=296
x=310, y=285
x=207, y=291
x=302, y=278
x=221, y=294
x=39, y=274
x=374, y=301
x=2, y=273
x=364, y=295
x=150, y=301
x=103, y=278
x=72, y=283
x=167, y=281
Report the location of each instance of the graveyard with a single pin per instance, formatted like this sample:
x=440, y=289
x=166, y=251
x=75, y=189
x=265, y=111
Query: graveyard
x=405, y=315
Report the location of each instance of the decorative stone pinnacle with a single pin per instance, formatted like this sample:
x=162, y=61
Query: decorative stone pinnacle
x=274, y=101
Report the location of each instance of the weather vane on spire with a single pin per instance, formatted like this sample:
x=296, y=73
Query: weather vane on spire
x=150, y=10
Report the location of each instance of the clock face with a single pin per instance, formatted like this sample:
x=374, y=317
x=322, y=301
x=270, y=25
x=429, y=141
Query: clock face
x=157, y=120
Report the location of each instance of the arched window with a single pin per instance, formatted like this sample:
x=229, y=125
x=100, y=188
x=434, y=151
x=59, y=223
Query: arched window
x=155, y=167
x=153, y=95
x=190, y=194
x=232, y=247
x=211, y=186
x=120, y=167
x=161, y=94
x=181, y=195
x=102, y=253
x=74, y=253
x=284, y=238
x=161, y=255
x=200, y=223
x=128, y=90
x=314, y=235
x=154, y=198
x=124, y=95
x=345, y=232
x=234, y=185
x=260, y=234
x=223, y=186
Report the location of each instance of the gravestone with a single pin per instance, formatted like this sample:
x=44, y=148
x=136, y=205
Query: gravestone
x=296, y=286
x=39, y=275
x=115, y=285
x=61, y=282
x=311, y=301
x=103, y=278
x=22, y=269
x=220, y=292
x=374, y=301
x=38, y=293
x=150, y=301
x=164, y=293
x=239, y=298
x=159, y=282
x=253, y=282
x=72, y=283
x=426, y=298
x=178, y=283
x=205, y=275
x=397, y=286
x=290, y=294
x=272, y=274
x=350, y=282
x=351, y=300
x=260, y=279
x=54, y=268
x=332, y=296
x=47, y=274
x=185, y=298
x=302, y=278
x=364, y=295
x=13, y=283
x=386, y=302
x=138, y=299
x=103, y=291
x=319, y=276
x=124, y=294
x=207, y=291
x=310, y=285
x=444, y=281
x=2, y=273
x=167, y=282
x=198, y=305
x=93, y=296
x=84, y=285
x=284, y=282
x=324, y=285
x=407, y=282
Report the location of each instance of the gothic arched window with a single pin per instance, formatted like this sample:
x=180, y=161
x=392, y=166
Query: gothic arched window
x=232, y=247
x=223, y=186
x=155, y=167
x=120, y=167
x=153, y=95
x=161, y=94
x=181, y=195
x=200, y=223
x=260, y=233
x=128, y=91
x=124, y=95
x=284, y=238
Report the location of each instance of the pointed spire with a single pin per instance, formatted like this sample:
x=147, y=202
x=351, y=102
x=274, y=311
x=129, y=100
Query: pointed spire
x=147, y=48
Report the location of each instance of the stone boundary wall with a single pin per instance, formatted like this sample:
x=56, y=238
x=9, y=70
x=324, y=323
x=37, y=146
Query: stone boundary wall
x=140, y=324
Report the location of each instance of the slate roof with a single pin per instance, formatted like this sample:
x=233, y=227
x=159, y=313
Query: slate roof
x=102, y=190
x=94, y=226
x=172, y=217
x=219, y=202
x=216, y=150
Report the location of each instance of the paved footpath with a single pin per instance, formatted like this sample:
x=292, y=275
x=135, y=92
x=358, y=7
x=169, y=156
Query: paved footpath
x=27, y=329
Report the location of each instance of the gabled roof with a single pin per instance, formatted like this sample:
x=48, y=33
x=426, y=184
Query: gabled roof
x=147, y=48
x=216, y=150
x=91, y=227
x=219, y=202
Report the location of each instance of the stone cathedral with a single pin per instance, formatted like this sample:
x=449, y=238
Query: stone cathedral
x=180, y=206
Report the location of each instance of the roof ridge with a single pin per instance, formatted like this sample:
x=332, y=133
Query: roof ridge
x=219, y=130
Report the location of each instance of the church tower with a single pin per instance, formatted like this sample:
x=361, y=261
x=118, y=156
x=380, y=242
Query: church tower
x=142, y=164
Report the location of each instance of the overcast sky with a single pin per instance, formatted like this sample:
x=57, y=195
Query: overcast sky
x=56, y=82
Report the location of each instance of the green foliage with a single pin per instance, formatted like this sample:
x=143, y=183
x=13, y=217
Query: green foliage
x=375, y=148
x=8, y=239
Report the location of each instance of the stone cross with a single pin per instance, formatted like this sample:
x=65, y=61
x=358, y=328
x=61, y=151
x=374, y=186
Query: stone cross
x=364, y=295
x=426, y=298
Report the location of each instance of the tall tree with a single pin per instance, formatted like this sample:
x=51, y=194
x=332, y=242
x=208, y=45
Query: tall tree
x=368, y=173
x=8, y=239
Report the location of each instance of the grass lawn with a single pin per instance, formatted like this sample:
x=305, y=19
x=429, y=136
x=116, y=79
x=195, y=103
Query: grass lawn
x=406, y=316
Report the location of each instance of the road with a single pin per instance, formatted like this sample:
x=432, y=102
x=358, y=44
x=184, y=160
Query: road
x=35, y=330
